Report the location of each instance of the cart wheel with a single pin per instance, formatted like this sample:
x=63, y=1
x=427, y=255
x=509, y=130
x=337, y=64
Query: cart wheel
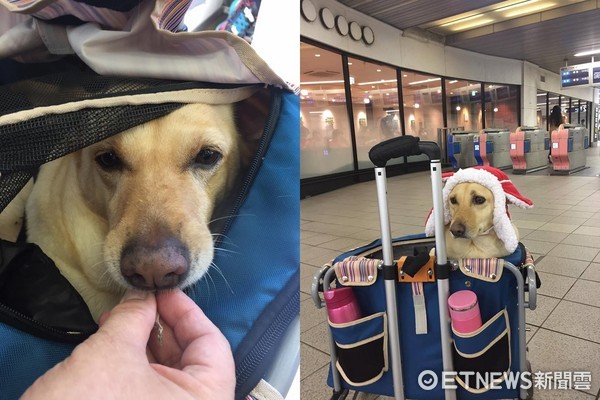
x=530, y=390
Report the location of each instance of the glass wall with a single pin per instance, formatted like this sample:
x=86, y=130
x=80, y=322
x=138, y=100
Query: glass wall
x=553, y=100
x=325, y=143
x=422, y=102
x=501, y=106
x=375, y=106
x=565, y=108
x=463, y=104
x=348, y=104
x=541, y=111
x=574, y=111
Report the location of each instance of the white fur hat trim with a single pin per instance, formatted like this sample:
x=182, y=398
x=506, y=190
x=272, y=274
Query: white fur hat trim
x=504, y=192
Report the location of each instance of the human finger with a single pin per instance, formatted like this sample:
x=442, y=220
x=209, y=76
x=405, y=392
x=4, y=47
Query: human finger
x=131, y=321
x=201, y=341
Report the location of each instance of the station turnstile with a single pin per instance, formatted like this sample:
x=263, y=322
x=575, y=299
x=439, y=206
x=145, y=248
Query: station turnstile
x=568, y=149
x=461, y=149
x=529, y=147
x=492, y=148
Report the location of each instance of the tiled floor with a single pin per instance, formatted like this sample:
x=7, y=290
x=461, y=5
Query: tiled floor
x=562, y=230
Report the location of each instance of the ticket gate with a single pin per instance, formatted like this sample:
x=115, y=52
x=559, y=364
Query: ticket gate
x=529, y=148
x=461, y=149
x=568, y=149
x=492, y=148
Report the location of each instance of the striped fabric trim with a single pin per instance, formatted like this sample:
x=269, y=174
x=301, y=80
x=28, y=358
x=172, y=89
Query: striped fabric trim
x=529, y=260
x=417, y=288
x=419, y=308
x=22, y=3
x=356, y=271
x=172, y=14
x=487, y=269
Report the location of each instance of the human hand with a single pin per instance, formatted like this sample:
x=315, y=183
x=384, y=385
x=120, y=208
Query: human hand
x=124, y=360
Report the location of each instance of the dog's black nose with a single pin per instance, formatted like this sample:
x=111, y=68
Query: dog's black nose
x=458, y=230
x=160, y=264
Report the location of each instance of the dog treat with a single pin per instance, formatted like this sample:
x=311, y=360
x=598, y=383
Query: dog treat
x=159, y=330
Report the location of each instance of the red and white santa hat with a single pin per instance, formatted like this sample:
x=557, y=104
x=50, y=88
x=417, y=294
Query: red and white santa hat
x=504, y=192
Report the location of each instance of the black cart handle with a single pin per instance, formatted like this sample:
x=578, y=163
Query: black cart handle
x=402, y=146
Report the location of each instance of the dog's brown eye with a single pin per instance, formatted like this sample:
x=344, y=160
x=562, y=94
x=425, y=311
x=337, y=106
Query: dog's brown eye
x=207, y=158
x=478, y=199
x=453, y=200
x=109, y=161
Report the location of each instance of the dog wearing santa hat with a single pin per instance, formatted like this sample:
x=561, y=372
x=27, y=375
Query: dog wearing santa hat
x=476, y=218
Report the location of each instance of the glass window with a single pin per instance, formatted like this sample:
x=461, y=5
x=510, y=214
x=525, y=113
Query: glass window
x=374, y=104
x=541, y=116
x=583, y=114
x=325, y=146
x=501, y=106
x=422, y=101
x=553, y=99
x=565, y=108
x=463, y=102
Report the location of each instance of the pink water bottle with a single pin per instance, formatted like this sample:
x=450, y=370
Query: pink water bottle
x=464, y=311
x=341, y=305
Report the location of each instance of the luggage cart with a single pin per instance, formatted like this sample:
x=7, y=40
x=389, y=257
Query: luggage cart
x=403, y=345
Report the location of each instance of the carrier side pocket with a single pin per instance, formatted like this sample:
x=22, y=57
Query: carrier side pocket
x=361, y=348
x=482, y=358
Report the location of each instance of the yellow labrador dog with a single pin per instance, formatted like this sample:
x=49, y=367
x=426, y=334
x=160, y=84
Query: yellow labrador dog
x=475, y=213
x=133, y=210
x=470, y=233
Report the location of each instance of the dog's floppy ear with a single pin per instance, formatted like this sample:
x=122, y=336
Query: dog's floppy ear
x=251, y=118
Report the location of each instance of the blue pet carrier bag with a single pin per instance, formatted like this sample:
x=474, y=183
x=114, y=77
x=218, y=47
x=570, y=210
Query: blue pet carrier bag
x=254, y=298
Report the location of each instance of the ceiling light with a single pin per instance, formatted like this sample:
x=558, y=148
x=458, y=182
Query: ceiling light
x=379, y=81
x=424, y=81
x=457, y=21
x=367, y=101
x=303, y=92
x=529, y=10
x=321, y=82
x=524, y=3
x=417, y=105
x=457, y=108
x=378, y=70
x=472, y=25
x=586, y=53
x=317, y=55
x=495, y=109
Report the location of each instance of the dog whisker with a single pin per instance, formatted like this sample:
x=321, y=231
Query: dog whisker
x=216, y=268
x=230, y=217
x=222, y=250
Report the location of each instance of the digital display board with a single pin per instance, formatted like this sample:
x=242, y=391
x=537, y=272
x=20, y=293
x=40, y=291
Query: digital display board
x=574, y=76
x=596, y=75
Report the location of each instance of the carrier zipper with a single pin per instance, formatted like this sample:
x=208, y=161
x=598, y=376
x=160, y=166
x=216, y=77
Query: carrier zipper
x=268, y=131
x=254, y=363
x=29, y=325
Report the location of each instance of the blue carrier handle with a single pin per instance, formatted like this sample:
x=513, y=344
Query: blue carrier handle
x=402, y=146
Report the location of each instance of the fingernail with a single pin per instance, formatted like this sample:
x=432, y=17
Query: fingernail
x=132, y=294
